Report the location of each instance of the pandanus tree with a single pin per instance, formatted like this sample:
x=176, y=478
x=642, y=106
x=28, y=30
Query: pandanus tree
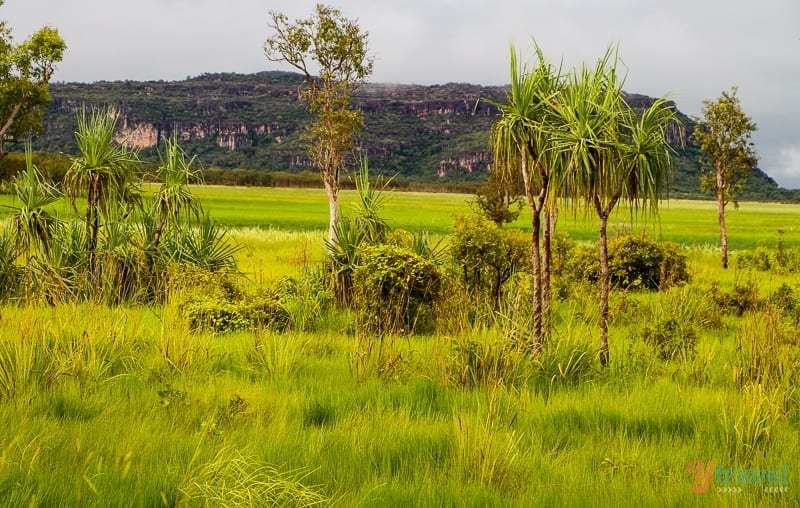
x=103, y=171
x=611, y=155
x=520, y=144
x=33, y=224
x=174, y=200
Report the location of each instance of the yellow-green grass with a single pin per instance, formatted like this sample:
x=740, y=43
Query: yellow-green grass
x=127, y=407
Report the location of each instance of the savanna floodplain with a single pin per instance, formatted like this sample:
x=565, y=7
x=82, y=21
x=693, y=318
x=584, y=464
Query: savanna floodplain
x=132, y=405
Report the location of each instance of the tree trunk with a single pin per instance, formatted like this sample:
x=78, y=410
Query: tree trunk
x=537, y=279
x=723, y=230
x=605, y=280
x=333, y=210
x=92, y=217
x=535, y=256
x=549, y=225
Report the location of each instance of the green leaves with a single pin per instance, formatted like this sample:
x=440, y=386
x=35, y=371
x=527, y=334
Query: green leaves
x=33, y=224
x=25, y=71
x=104, y=165
x=724, y=134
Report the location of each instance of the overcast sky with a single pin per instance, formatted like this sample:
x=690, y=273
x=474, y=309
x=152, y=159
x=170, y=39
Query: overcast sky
x=690, y=50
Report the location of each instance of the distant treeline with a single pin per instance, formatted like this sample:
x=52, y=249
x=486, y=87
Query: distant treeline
x=54, y=167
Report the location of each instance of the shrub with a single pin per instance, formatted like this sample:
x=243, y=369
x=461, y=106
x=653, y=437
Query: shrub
x=757, y=259
x=487, y=359
x=670, y=338
x=395, y=289
x=500, y=199
x=213, y=302
x=763, y=259
x=9, y=273
x=487, y=256
x=742, y=298
x=634, y=262
x=670, y=324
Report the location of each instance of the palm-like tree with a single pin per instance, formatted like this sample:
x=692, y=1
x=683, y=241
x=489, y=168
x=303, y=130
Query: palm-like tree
x=612, y=155
x=103, y=170
x=174, y=199
x=519, y=142
x=33, y=224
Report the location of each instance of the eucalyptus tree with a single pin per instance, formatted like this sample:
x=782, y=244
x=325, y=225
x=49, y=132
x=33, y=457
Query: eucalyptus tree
x=25, y=72
x=331, y=53
x=103, y=171
x=611, y=153
x=520, y=144
x=724, y=134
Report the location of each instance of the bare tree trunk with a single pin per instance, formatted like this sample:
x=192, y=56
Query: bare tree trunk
x=537, y=279
x=605, y=281
x=535, y=256
x=723, y=230
x=92, y=217
x=549, y=226
x=333, y=210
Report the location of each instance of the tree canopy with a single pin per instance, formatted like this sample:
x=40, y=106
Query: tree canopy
x=724, y=135
x=25, y=71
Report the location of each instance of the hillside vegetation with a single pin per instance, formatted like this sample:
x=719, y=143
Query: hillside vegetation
x=432, y=133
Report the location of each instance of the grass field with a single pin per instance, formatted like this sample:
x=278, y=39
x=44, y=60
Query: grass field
x=686, y=222
x=126, y=406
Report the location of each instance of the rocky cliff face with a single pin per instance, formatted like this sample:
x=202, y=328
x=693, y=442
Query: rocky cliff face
x=256, y=121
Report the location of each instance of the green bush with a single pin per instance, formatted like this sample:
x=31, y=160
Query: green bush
x=757, y=259
x=9, y=273
x=743, y=297
x=487, y=256
x=670, y=338
x=213, y=302
x=395, y=289
x=634, y=262
x=487, y=359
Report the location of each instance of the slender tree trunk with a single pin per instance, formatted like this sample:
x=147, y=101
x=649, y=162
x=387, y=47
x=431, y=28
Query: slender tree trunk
x=535, y=256
x=548, y=227
x=333, y=210
x=605, y=280
x=723, y=230
x=537, y=279
x=92, y=217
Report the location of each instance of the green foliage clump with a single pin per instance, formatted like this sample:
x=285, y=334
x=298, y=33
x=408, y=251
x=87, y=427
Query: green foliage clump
x=213, y=302
x=500, y=199
x=487, y=256
x=758, y=259
x=9, y=273
x=487, y=360
x=395, y=289
x=670, y=338
x=634, y=262
x=762, y=259
x=670, y=325
x=743, y=297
